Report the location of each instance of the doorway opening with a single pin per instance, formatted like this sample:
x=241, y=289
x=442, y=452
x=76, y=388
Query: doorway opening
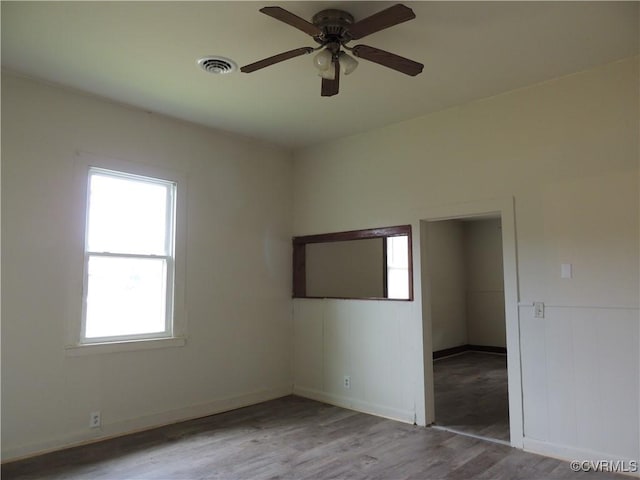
x=470, y=322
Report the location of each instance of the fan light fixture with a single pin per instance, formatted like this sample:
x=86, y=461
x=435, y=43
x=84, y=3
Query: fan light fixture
x=347, y=63
x=324, y=62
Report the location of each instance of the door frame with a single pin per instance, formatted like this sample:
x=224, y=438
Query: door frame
x=505, y=208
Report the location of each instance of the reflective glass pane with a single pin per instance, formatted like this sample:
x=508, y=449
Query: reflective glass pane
x=127, y=215
x=398, y=267
x=398, y=251
x=126, y=296
x=397, y=283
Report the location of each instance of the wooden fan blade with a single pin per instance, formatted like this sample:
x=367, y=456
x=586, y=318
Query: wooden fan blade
x=281, y=57
x=289, y=18
x=331, y=87
x=388, y=59
x=381, y=20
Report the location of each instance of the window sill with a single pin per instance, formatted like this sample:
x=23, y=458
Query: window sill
x=125, y=346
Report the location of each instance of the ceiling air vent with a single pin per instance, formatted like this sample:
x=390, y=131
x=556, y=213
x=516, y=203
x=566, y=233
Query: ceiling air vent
x=217, y=65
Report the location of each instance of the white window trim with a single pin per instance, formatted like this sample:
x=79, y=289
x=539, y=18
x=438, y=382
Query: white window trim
x=169, y=241
x=176, y=336
x=123, y=346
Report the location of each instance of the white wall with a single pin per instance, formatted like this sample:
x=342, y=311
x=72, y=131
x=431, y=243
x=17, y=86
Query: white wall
x=237, y=273
x=484, y=283
x=567, y=151
x=446, y=249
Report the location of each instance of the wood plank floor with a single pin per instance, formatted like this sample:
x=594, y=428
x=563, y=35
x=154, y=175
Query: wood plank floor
x=292, y=438
x=471, y=394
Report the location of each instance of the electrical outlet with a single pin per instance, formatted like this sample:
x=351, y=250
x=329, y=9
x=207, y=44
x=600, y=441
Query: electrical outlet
x=347, y=381
x=95, y=420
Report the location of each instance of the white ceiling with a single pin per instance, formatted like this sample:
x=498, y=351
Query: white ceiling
x=144, y=54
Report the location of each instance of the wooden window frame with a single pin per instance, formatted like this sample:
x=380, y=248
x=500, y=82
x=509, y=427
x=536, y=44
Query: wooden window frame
x=299, y=257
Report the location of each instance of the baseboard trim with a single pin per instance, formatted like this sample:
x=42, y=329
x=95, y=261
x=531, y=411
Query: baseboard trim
x=147, y=422
x=568, y=453
x=405, y=416
x=447, y=352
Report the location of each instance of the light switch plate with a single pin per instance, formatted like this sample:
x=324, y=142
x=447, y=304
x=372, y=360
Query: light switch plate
x=538, y=310
x=566, y=270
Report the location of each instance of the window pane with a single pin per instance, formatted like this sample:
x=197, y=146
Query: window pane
x=398, y=251
x=127, y=215
x=126, y=296
x=398, y=267
x=398, y=283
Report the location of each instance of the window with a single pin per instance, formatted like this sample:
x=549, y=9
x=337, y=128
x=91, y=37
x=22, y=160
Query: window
x=398, y=267
x=129, y=258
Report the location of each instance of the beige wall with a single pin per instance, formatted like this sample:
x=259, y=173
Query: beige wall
x=446, y=251
x=567, y=152
x=352, y=268
x=466, y=278
x=238, y=270
x=484, y=283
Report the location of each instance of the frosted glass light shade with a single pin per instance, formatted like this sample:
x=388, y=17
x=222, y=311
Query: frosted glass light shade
x=347, y=63
x=329, y=73
x=323, y=60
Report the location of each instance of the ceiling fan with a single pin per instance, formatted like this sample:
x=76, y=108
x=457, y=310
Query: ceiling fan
x=333, y=30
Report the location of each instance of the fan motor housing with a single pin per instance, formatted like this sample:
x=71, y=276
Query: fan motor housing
x=333, y=24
